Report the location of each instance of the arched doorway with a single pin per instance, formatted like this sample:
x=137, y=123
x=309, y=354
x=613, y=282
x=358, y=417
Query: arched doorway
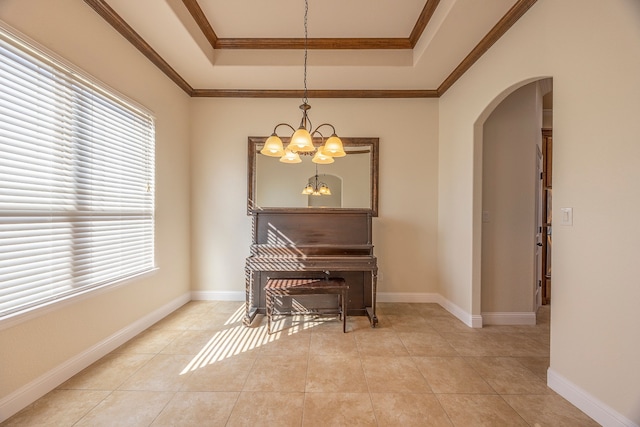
x=508, y=150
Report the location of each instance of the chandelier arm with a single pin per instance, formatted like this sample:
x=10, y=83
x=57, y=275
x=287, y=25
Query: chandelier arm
x=316, y=131
x=283, y=124
x=333, y=129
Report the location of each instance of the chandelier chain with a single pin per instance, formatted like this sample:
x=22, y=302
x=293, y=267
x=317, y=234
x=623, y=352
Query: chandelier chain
x=305, y=99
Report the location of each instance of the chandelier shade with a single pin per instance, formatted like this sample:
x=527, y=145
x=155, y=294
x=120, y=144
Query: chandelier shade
x=322, y=158
x=290, y=157
x=333, y=147
x=273, y=147
x=301, y=141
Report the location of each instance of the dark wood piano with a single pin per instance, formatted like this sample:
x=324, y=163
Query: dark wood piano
x=313, y=243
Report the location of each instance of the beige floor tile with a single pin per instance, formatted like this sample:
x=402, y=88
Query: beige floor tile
x=229, y=374
x=519, y=345
x=183, y=317
x=474, y=344
x=151, y=341
x=408, y=323
x=451, y=375
x=333, y=344
x=380, y=343
x=202, y=366
x=127, y=408
x=197, y=409
x=286, y=342
x=549, y=411
x=507, y=376
x=277, y=373
x=234, y=308
x=431, y=310
x=338, y=409
x=401, y=308
x=214, y=321
x=229, y=342
x=426, y=344
x=409, y=409
x=449, y=324
x=477, y=410
x=386, y=374
x=339, y=374
x=267, y=409
x=537, y=365
x=295, y=324
x=165, y=372
x=190, y=342
x=58, y=408
x=107, y=373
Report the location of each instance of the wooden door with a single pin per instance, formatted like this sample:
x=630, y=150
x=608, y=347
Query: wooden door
x=547, y=154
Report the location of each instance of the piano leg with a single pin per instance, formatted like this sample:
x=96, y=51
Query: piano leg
x=250, y=310
x=371, y=311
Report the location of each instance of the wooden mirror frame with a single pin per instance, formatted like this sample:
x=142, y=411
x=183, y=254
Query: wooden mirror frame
x=372, y=143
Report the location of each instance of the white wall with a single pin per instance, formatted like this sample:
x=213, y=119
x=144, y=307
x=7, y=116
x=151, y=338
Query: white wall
x=592, y=51
x=404, y=234
x=32, y=349
x=510, y=137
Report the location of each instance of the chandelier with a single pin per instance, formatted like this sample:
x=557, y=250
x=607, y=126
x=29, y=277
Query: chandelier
x=317, y=188
x=301, y=141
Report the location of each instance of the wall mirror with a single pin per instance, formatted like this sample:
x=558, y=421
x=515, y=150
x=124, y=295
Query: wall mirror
x=352, y=180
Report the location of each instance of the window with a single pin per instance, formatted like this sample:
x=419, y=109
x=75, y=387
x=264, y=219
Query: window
x=76, y=181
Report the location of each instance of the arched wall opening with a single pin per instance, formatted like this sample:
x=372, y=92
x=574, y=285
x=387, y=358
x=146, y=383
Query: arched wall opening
x=506, y=135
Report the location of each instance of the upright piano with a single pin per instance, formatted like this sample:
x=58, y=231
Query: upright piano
x=312, y=243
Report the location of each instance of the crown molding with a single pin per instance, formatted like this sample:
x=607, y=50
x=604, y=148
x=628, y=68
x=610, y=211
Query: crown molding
x=498, y=30
x=119, y=24
x=249, y=93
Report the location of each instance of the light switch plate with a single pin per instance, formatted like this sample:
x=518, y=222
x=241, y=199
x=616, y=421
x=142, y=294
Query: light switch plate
x=566, y=216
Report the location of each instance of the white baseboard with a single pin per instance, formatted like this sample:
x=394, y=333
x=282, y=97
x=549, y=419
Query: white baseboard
x=587, y=403
x=37, y=388
x=471, y=320
x=508, y=318
x=218, y=295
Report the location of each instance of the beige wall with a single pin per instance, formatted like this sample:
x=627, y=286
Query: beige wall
x=72, y=30
x=592, y=51
x=510, y=137
x=404, y=232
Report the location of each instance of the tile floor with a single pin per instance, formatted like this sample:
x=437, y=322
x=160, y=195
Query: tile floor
x=421, y=366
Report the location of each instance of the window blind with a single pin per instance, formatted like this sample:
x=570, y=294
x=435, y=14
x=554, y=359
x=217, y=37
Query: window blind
x=76, y=182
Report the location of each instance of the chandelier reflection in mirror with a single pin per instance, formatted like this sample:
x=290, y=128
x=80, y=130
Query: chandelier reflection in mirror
x=302, y=139
x=315, y=187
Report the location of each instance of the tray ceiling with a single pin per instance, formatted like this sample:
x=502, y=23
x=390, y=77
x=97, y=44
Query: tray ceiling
x=357, y=48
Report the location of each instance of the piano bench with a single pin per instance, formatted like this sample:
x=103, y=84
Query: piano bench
x=290, y=287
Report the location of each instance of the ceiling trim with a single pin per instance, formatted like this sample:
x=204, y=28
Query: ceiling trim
x=423, y=20
x=203, y=23
x=506, y=22
x=312, y=43
x=317, y=43
x=498, y=30
x=110, y=15
x=248, y=93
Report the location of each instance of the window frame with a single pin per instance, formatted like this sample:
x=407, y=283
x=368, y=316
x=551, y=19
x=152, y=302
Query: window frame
x=39, y=53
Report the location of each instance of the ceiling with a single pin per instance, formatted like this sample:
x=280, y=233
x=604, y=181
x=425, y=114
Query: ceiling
x=356, y=48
